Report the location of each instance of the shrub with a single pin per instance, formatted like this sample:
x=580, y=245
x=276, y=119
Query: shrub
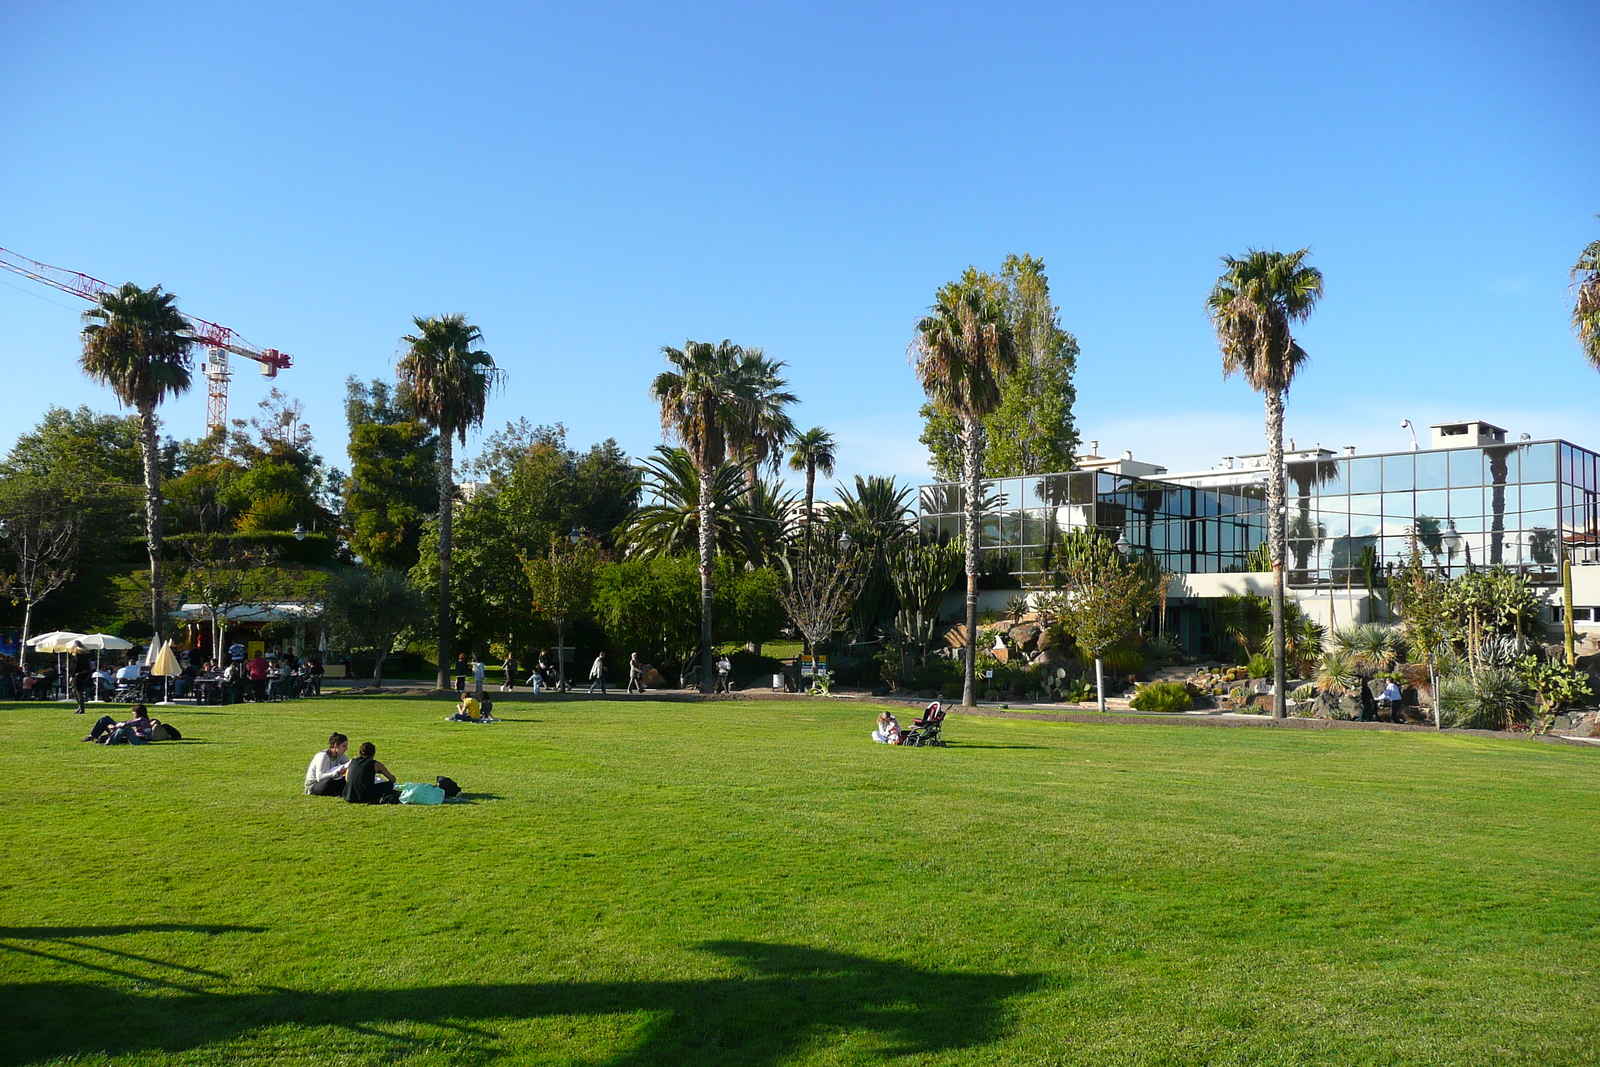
x=1162, y=696
x=1078, y=692
x=1120, y=661
x=1260, y=666
x=1492, y=699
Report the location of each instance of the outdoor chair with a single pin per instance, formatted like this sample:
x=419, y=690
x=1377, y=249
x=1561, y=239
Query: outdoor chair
x=926, y=730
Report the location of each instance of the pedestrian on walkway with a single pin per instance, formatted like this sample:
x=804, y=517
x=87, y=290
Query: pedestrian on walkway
x=477, y=678
x=510, y=667
x=635, y=674
x=597, y=674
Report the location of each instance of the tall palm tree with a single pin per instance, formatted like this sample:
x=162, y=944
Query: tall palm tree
x=672, y=523
x=1252, y=307
x=704, y=400
x=960, y=352
x=811, y=452
x=1586, y=301
x=759, y=437
x=450, y=381
x=136, y=342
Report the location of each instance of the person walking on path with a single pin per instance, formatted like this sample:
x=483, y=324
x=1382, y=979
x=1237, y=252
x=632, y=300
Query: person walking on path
x=461, y=672
x=510, y=667
x=597, y=674
x=635, y=674
x=724, y=675
x=477, y=678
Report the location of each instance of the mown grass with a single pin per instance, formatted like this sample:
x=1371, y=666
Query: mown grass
x=756, y=883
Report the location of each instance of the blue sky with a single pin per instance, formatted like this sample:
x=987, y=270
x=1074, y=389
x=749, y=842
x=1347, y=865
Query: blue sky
x=590, y=182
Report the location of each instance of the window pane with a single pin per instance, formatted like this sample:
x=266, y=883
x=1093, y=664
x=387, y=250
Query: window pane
x=1539, y=463
x=1033, y=526
x=1466, y=501
x=1337, y=481
x=1397, y=472
x=1466, y=467
x=1366, y=476
x=1431, y=469
x=1539, y=497
x=1433, y=502
x=1367, y=504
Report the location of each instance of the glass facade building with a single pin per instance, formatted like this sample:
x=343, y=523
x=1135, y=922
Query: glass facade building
x=1519, y=504
x=1189, y=529
x=1513, y=504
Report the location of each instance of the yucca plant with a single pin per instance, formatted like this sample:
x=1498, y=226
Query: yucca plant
x=1489, y=699
x=1336, y=673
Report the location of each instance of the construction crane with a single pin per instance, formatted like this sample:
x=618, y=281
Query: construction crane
x=219, y=341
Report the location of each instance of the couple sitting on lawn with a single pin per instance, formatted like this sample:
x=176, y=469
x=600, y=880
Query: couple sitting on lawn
x=471, y=709
x=334, y=774
x=139, y=730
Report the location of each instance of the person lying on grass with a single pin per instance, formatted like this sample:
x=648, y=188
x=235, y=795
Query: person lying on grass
x=325, y=776
x=135, y=731
x=888, y=731
x=360, y=779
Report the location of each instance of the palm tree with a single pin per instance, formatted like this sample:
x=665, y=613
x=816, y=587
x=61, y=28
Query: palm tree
x=759, y=437
x=137, y=342
x=704, y=402
x=960, y=352
x=1252, y=307
x=450, y=381
x=1586, y=302
x=878, y=517
x=811, y=452
x=671, y=524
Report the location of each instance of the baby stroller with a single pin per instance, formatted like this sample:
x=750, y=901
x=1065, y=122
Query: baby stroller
x=926, y=730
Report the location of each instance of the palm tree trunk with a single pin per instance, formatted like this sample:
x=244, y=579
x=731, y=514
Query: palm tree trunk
x=447, y=495
x=1275, y=543
x=149, y=446
x=811, y=486
x=972, y=463
x=708, y=545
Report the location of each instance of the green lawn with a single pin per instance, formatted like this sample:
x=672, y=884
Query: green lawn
x=757, y=883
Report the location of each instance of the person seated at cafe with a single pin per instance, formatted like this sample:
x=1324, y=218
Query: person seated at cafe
x=135, y=731
x=361, y=779
x=278, y=680
x=314, y=672
x=325, y=776
x=186, y=680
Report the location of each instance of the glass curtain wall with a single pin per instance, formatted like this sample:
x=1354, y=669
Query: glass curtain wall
x=1353, y=517
x=1188, y=530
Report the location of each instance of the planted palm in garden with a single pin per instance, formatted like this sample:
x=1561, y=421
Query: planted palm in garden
x=707, y=401
x=1586, y=302
x=1252, y=307
x=960, y=351
x=812, y=452
x=877, y=515
x=758, y=439
x=449, y=380
x=136, y=343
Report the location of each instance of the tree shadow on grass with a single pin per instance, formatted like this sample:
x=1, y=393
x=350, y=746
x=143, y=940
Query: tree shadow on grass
x=786, y=999
x=974, y=744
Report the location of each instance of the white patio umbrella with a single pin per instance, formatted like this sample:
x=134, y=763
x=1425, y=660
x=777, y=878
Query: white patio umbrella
x=99, y=643
x=55, y=641
x=166, y=666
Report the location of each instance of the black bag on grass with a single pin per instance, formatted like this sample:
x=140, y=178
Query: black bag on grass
x=165, y=732
x=448, y=785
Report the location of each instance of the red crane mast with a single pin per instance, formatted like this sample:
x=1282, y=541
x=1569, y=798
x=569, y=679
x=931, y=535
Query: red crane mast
x=218, y=340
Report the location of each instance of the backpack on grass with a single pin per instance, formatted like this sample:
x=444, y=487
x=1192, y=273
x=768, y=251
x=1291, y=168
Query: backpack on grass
x=165, y=732
x=448, y=785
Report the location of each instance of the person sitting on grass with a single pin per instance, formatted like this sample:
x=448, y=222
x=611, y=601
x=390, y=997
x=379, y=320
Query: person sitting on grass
x=471, y=709
x=325, y=776
x=135, y=731
x=888, y=731
x=361, y=785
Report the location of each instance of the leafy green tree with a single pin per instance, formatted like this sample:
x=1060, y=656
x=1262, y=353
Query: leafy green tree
x=219, y=576
x=1252, y=306
x=1031, y=430
x=923, y=574
x=136, y=342
x=373, y=607
x=708, y=403
x=393, y=482
x=449, y=380
x=1098, y=599
x=1586, y=302
x=651, y=606
x=561, y=587
x=813, y=452
x=530, y=488
x=671, y=524
x=961, y=351
x=41, y=539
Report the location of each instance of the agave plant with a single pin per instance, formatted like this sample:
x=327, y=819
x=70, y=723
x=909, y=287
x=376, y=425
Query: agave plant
x=1490, y=699
x=1336, y=673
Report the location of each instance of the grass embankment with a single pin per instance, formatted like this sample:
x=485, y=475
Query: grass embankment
x=756, y=883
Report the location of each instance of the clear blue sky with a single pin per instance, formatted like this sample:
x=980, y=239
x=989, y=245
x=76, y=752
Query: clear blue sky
x=590, y=182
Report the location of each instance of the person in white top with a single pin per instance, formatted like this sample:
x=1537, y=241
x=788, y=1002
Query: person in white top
x=325, y=776
x=477, y=678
